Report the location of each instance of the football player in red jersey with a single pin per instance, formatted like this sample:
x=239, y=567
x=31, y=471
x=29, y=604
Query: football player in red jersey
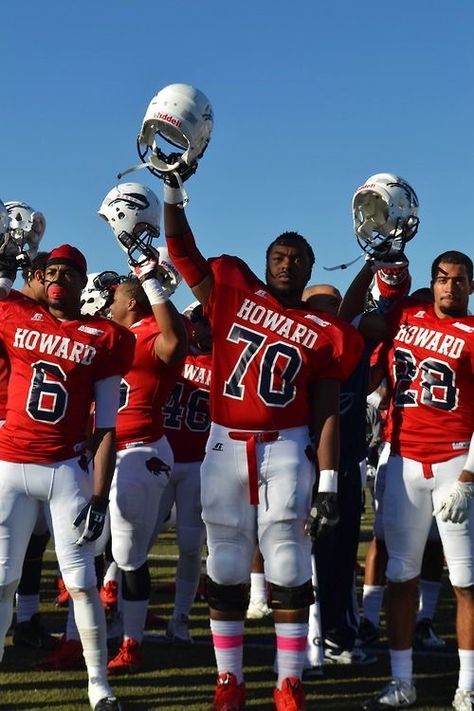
x=60, y=363
x=430, y=470
x=186, y=421
x=275, y=372
x=144, y=456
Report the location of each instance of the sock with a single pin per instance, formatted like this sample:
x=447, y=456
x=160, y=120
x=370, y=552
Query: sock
x=258, y=587
x=401, y=661
x=26, y=607
x=372, y=599
x=291, y=638
x=90, y=620
x=228, y=641
x=133, y=618
x=429, y=594
x=466, y=669
x=184, y=596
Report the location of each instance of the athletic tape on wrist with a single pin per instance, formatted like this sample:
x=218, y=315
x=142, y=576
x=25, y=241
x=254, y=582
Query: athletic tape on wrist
x=155, y=292
x=327, y=481
x=173, y=196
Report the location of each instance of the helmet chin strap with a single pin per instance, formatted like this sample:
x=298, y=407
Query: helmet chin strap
x=343, y=266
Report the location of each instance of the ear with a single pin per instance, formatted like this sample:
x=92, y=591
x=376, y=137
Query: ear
x=471, y=288
x=83, y=282
x=38, y=274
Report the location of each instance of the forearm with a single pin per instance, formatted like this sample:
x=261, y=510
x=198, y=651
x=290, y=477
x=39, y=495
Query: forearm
x=104, y=450
x=325, y=399
x=355, y=297
x=171, y=344
x=467, y=474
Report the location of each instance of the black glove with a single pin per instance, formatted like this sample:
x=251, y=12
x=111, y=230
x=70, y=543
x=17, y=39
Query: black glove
x=324, y=514
x=184, y=171
x=93, y=514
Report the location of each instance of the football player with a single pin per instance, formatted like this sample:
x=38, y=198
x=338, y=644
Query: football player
x=275, y=371
x=60, y=363
x=186, y=422
x=430, y=470
x=144, y=456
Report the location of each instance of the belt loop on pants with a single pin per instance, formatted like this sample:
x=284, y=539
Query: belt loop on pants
x=250, y=439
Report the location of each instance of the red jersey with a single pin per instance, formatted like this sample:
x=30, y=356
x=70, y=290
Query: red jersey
x=186, y=412
x=53, y=368
x=267, y=355
x=144, y=389
x=430, y=369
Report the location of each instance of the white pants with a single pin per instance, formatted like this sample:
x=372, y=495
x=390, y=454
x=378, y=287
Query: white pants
x=64, y=489
x=140, y=478
x=184, y=491
x=285, y=483
x=408, y=503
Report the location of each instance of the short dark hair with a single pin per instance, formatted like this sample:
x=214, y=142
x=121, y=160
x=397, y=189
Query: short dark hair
x=38, y=263
x=292, y=239
x=452, y=256
x=135, y=291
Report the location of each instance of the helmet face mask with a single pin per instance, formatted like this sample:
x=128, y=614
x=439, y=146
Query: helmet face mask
x=133, y=212
x=182, y=117
x=98, y=293
x=385, y=214
x=27, y=227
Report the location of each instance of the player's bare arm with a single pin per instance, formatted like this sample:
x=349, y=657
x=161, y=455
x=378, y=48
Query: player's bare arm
x=324, y=395
x=103, y=448
x=171, y=345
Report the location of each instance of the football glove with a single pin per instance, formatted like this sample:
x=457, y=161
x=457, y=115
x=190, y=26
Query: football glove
x=184, y=171
x=323, y=515
x=455, y=507
x=144, y=270
x=9, y=266
x=93, y=516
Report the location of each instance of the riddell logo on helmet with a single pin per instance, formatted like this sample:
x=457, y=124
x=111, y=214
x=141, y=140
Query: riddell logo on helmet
x=169, y=119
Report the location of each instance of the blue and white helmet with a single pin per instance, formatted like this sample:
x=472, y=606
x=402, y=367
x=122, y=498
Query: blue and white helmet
x=385, y=213
x=133, y=213
x=27, y=227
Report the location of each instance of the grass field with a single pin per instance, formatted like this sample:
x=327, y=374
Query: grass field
x=177, y=678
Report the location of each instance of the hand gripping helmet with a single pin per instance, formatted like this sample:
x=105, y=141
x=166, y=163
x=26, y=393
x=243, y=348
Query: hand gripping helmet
x=169, y=276
x=27, y=227
x=133, y=212
x=182, y=116
x=98, y=293
x=385, y=214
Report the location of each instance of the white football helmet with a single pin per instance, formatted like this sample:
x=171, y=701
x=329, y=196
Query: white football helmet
x=169, y=276
x=133, y=212
x=182, y=116
x=97, y=294
x=27, y=227
x=385, y=214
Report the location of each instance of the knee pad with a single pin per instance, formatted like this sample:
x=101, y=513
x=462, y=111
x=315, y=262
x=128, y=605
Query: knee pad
x=400, y=571
x=460, y=577
x=229, y=562
x=297, y=598
x=227, y=598
x=136, y=584
x=190, y=540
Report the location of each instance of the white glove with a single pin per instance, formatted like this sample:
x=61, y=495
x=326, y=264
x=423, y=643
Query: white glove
x=144, y=269
x=455, y=507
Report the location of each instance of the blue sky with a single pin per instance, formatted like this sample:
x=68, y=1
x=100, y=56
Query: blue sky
x=309, y=99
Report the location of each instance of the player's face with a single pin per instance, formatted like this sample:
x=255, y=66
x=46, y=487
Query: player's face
x=119, y=306
x=63, y=286
x=288, y=270
x=451, y=290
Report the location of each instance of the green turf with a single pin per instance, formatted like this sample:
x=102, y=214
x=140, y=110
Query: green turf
x=176, y=678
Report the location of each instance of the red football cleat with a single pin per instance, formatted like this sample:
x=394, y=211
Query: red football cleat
x=62, y=598
x=228, y=696
x=67, y=655
x=291, y=695
x=128, y=660
x=109, y=596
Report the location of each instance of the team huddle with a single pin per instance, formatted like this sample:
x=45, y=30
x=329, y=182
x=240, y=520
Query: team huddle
x=117, y=407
